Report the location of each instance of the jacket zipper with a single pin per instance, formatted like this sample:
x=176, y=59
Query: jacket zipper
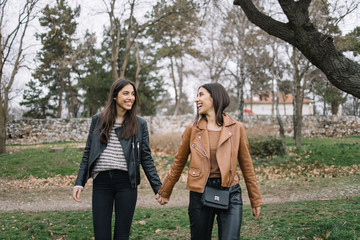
x=201, y=152
x=133, y=146
x=138, y=150
x=203, y=162
x=231, y=171
x=164, y=185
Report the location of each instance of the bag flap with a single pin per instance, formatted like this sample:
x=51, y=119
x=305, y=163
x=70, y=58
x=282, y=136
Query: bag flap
x=216, y=196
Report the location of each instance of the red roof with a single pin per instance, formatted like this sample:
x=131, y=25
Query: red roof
x=268, y=99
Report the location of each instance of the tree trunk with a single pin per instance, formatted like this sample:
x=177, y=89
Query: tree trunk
x=138, y=67
x=128, y=41
x=300, y=32
x=172, y=72
x=278, y=116
x=272, y=97
x=115, y=40
x=298, y=113
x=298, y=96
x=73, y=100
x=3, y=121
x=334, y=108
x=180, y=84
x=61, y=92
x=240, y=91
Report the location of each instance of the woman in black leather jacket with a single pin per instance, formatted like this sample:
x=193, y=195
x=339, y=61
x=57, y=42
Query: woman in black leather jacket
x=118, y=142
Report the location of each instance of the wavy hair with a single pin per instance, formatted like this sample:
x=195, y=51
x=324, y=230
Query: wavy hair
x=221, y=100
x=108, y=114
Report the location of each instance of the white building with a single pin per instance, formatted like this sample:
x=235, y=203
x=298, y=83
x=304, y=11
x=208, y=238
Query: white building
x=264, y=106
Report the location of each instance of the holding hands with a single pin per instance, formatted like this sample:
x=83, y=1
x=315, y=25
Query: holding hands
x=162, y=200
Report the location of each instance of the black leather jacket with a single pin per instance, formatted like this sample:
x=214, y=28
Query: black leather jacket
x=136, y=151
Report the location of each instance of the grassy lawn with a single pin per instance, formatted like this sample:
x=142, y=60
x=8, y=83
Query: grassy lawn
x=318, y=151
x=332, y=219
x=41, y=163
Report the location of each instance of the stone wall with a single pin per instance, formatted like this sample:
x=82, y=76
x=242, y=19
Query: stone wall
x=32, y=131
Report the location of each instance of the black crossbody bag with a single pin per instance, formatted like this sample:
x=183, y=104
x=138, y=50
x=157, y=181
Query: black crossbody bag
x=216, y=198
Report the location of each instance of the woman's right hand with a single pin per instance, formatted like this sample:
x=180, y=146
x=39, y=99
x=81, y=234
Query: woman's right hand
x=162, y=200
x=76, y=194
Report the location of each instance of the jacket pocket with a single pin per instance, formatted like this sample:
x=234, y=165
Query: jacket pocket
x=194, y=172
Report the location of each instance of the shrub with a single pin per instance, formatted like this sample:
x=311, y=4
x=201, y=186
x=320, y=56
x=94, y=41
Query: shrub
x=267, y=147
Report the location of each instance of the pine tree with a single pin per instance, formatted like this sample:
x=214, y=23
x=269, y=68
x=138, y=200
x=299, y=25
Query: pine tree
x=35, y=100
x=57, y=56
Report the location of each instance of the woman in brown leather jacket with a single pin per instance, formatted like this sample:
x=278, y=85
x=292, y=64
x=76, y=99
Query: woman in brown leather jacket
x=215, y=143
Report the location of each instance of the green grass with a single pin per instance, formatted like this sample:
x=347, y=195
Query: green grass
x=319, y=151
x=332, y=219
x=40, y=162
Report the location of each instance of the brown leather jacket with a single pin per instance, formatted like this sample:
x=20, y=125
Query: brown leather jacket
x=233, y=147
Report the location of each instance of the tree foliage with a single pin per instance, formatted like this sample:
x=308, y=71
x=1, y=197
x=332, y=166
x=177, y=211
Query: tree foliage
x=57, y=56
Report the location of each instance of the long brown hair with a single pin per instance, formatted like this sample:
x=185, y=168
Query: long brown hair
x=108, y=114
x=221, y=100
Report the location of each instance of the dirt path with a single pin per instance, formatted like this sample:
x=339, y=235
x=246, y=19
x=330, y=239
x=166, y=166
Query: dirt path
x=49, y=198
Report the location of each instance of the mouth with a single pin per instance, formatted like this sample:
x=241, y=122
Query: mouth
x=199, y=105
x=129, y=103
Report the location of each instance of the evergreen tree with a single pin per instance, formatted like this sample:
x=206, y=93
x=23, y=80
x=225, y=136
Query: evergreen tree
x=93, y=78
x=35, y=100
x=57, y=57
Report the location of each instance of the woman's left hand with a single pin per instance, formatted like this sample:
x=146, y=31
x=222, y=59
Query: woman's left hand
x=256, y=212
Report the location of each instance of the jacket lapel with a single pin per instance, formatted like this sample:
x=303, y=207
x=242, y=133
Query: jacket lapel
x=225, y=134
x=226, y=130
x=125, y=144
x=203, y=137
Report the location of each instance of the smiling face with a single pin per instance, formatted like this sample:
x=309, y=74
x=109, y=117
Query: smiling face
x=125, y=98
x=204, y=102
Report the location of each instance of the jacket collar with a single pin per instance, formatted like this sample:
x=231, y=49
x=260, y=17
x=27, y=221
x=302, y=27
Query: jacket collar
x=228, y=121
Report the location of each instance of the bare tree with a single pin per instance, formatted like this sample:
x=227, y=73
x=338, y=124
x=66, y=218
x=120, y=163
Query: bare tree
x=115, y=30
x=11, y=57
x=301, y=32
x=133, y=29
x=300, y=68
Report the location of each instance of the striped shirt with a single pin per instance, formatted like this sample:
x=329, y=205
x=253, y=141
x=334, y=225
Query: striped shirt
x=113, y=156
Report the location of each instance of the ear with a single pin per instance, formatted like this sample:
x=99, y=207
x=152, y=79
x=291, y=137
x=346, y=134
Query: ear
x=115, y=98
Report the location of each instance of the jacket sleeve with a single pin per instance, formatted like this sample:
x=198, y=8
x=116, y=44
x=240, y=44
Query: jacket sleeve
x=147, y=161
x=247, y=168
x=180, y=160
x=84, y=165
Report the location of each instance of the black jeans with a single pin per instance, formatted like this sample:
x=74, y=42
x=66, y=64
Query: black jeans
x=109, y=187
x=202, y=217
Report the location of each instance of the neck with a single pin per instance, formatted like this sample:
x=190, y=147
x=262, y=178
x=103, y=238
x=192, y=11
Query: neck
x=211, y=121
x=120, y=113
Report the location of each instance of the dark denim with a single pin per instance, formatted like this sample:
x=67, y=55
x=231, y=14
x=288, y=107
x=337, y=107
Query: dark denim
x=111, y=187
x=202, y=217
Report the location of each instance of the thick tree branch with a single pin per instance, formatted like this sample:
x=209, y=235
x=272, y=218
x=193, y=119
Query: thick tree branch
x=317, y=47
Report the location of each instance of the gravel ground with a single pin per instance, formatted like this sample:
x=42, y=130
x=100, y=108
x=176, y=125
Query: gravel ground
x=50, y=197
